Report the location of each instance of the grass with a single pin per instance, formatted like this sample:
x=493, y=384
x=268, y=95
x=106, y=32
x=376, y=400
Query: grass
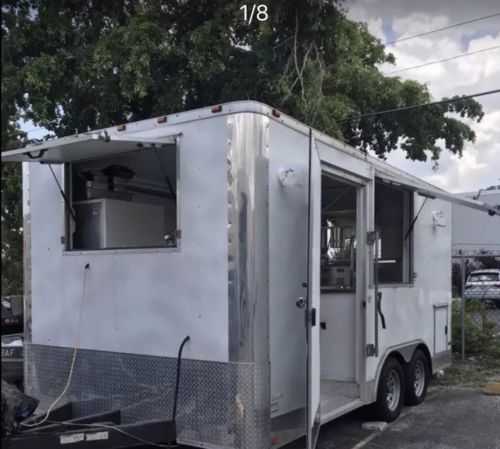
x=474, y=372
x=482, y=342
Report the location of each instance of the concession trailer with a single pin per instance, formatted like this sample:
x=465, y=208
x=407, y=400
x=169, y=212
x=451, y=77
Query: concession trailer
x=303, y=278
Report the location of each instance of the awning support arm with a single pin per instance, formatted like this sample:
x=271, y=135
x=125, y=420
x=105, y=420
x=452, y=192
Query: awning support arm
x=167, y=179
x=65, y=198
x=415, y=219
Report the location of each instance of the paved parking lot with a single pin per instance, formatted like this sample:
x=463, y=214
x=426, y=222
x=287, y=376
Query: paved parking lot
x=448, y=419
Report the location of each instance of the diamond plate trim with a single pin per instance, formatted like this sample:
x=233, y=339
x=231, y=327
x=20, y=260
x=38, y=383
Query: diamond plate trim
x=226, y=405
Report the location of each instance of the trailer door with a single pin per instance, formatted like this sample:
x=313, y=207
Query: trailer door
x=313, y=296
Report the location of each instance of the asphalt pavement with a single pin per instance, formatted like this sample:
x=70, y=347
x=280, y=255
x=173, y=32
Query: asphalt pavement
x=448, y=419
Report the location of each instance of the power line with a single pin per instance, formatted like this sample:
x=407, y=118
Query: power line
x=443, y=60
x=408, y=108
x=442, y=29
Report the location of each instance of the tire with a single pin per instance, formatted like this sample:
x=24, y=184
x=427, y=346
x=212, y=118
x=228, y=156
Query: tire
x=417, y=379
x=390, y=393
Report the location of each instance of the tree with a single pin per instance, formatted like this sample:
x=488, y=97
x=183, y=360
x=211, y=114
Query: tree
x=80, y=65
x=77, y=65
x=11, y=137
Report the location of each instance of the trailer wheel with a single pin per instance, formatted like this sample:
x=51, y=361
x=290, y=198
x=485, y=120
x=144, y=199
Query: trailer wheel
x=417, y=379
x=390, y=394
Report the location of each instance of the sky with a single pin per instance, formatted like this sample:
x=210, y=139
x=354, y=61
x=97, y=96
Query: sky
x=395, y=19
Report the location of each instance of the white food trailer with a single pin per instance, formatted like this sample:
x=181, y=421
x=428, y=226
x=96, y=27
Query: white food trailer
x=310, y=277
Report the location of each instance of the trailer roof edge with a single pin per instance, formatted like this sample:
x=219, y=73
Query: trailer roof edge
x=136, y=129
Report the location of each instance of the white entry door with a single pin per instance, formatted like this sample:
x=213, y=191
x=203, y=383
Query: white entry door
x=313, y=297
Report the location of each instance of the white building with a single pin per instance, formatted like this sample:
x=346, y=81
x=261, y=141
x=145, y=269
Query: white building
x=473, y=230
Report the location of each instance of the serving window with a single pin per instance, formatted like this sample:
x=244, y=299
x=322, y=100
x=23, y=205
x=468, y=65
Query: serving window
x=123, y=201
x=393, y=218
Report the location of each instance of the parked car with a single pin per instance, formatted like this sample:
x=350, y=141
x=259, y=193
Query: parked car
x=12, y=314
x=484, y=285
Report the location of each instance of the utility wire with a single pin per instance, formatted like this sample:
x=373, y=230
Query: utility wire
x=443, y=60
x=442, y=29
x=408, y=108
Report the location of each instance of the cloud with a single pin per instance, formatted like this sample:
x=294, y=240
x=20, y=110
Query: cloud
x=480, y=165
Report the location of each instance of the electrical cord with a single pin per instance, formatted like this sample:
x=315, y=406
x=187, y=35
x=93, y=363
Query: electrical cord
x=70, y=376
x=75, y=351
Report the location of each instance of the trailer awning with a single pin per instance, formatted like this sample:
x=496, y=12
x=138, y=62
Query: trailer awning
x=433, y=192
x=83, y=147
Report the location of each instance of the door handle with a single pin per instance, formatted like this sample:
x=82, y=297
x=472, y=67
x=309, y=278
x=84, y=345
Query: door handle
x=379, y=309
x=301, y=303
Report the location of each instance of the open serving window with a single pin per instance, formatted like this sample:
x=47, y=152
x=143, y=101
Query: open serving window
x=118, y=193
x=395, y=219
x=429, y=191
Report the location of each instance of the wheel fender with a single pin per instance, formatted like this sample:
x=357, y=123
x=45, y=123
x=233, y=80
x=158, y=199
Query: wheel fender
x=403, y=353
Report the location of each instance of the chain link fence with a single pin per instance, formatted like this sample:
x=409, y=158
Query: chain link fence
x=476, y=302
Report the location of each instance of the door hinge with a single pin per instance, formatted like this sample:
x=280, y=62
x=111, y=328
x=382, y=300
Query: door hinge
x=446, y=330
x=310, y=316
x=371, y=351
x=371, y=237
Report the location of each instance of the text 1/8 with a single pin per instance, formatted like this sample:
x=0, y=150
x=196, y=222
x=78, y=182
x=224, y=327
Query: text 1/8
x=261, y=15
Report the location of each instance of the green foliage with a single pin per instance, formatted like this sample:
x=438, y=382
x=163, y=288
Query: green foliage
x=91, y=64
x=480, y=329
x=12, y=239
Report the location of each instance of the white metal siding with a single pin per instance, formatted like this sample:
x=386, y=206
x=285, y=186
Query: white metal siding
x=476, y=230
x=143, y=303
x=409, y=309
